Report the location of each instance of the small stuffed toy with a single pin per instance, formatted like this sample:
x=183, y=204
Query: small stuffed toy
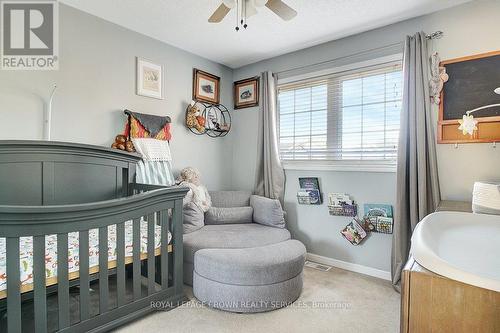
x=438, y=78
x=194, y=119
x=122, y=143
x=198, y=194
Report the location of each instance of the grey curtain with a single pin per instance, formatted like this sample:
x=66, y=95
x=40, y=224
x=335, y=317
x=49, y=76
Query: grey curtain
x=417, y=175
x=270, y=177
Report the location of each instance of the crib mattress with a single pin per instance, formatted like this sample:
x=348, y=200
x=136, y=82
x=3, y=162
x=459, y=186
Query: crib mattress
x=26, y=254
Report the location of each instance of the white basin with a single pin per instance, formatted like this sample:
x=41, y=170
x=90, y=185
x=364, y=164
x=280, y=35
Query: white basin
x=461, y=246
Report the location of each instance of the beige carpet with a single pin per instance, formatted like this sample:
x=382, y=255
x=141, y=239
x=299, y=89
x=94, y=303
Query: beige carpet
x=334, y=301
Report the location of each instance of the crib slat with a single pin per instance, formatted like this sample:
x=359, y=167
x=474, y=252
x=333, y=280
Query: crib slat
x=103, y=269
x=120, y=263
x=62, y=280
x=84, y=274
x=151, y=254
x=136, y=258
x=164, y=248
x=13, y=285
x=119, y=182
x=39, y=283
x=177, y=242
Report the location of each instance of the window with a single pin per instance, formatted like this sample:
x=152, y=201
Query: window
x=349, y=118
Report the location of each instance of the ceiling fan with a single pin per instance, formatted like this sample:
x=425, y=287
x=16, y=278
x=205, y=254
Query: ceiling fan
x=247, y=8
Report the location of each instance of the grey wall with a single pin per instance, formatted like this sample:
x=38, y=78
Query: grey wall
x=469, y=29
x=96, y=82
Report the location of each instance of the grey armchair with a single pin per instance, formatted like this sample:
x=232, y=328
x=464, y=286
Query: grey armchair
x=243, y=255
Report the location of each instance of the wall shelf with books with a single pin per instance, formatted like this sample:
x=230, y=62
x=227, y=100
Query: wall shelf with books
x=309, y=192
x=341, y=204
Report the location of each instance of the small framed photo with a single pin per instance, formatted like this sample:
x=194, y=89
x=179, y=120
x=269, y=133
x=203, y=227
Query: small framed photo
x=246, y=93
x=206, y=87
x=149, y=81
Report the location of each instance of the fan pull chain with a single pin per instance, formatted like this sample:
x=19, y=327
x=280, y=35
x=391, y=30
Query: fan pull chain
x=237, y=15
x=245, y=9
x=241, y=14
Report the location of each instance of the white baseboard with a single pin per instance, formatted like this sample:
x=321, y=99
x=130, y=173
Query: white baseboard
x=350, y=266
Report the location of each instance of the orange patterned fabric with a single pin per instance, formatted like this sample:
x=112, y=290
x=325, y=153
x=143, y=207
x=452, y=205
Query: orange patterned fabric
x=135, y=129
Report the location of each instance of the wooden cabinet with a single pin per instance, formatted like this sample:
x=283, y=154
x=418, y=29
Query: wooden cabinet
x=454, y=206
x=433, y=303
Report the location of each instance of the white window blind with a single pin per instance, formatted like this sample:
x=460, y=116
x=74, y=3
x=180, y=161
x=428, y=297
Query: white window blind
x=350, y=117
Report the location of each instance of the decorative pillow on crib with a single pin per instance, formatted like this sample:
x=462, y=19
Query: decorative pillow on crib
x=142, y=125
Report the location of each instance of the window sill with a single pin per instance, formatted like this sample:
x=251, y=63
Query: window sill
x=339, y=166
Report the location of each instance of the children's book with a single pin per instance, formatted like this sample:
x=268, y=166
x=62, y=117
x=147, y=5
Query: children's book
x=354, y=232
x=373, y=210
x=380, y=217
x=309, y=193
x=309, y=183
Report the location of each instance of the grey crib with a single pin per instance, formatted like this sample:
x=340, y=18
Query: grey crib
x=62, y=189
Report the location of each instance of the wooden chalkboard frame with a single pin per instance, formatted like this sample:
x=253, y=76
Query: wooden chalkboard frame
x=488, y=127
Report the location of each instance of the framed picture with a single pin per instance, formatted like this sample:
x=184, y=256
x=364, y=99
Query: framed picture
x=246, y=93
x=149, y=80
x=206, y=87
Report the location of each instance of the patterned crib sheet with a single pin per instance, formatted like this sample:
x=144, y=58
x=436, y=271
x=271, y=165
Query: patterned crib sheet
x=26, y=251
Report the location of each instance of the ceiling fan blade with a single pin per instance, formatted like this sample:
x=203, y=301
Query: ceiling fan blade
x=281, y=9
x=219, y=14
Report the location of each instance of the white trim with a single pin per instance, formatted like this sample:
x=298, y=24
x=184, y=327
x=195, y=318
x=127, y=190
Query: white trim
x=378, y=273
x=339, y=166
x=339, y=69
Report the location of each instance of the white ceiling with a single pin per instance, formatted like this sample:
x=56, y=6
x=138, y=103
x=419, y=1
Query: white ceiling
x=183, y=23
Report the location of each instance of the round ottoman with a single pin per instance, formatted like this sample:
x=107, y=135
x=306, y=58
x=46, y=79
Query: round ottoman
x=249, y=280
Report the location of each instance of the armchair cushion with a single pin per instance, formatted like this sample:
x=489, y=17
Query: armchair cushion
x=267, y=211
x=229, y=215
x=230, y=198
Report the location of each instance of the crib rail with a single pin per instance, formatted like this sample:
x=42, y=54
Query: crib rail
x=126, y=285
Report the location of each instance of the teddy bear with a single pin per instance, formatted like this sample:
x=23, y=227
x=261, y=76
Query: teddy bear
x=122, y=143
x=198, y=194
x=194, y=119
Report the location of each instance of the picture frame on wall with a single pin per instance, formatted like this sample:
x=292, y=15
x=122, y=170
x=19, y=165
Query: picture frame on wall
x=246, y=93
x=206, y=87
x=149, y=79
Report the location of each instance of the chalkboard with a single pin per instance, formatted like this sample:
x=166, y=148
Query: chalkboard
x=471, y=84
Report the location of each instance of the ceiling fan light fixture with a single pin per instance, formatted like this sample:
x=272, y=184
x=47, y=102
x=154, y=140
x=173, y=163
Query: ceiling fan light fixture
x=229, y=3
x=248, y=8
x=259, y=3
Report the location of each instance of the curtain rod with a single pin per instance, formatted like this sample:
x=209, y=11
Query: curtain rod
x=435, y=35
